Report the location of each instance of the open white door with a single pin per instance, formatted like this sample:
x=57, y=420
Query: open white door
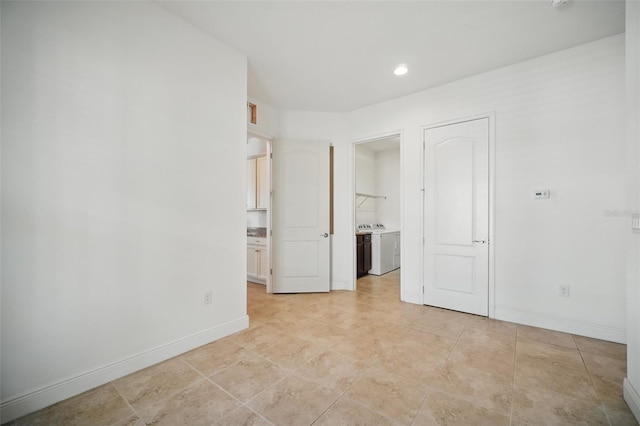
x=456, y=216
x=300, y=218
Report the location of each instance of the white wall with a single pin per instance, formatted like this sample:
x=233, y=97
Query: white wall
x=559, y=126
x=119, y=124
x=632, y=47
x=388, y=185
x=378, y=173
x=365, y=173
x=267, y=119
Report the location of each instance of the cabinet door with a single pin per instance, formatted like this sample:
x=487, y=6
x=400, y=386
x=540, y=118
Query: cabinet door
x=251, y=184
x=360, y=255
x=263, y=183
x=263, y=263
x=252, y=262
x=366, y=251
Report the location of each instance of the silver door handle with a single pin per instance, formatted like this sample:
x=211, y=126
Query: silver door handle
x=480, y=241
x=324, y=235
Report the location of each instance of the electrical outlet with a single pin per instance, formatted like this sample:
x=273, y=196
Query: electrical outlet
x=564, y=290
x=208, y=296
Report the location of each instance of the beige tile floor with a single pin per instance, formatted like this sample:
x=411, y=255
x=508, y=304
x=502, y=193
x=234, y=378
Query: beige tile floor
x=364, y=358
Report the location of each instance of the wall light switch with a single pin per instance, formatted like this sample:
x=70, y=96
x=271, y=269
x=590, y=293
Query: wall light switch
x=541, y=194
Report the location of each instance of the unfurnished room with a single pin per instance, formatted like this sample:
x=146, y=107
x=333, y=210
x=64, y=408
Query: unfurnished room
x=320, y=212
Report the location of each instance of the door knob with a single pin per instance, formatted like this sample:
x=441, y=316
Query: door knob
x=324, y=235
x=479, y=241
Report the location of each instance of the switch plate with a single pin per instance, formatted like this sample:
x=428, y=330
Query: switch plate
x=541, y=194
x=208, y=297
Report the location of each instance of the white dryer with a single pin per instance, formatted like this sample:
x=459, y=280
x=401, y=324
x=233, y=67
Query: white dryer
x=385, y=249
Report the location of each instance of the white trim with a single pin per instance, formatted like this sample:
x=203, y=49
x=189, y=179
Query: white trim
x=18, y=406
x=596, y=331
x=385, y=135
x=632, y=398
x=491, y=116
x=339, y=285
x=258, y=134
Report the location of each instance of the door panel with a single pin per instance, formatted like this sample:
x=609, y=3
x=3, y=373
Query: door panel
x=453, y=160
x=456, y=212
x=300, y=180
x=300, y=219
x=454, y=273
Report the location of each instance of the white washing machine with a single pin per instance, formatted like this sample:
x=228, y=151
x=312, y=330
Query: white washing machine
x=385, y=248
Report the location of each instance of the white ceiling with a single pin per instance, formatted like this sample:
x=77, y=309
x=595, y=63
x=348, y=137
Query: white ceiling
x=339, y=56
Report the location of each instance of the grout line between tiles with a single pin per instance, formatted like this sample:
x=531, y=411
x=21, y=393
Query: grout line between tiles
x=513, y=377
x=593, y=383
x=135, y=413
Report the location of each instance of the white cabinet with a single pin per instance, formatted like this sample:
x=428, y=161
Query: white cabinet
x=258, y=183
x=252, y=263
x=257, y=260
x=262, y=184
x=251, y=184
x=263, y=264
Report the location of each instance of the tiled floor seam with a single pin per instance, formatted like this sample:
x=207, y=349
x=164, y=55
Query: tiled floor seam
x=245, y=405
x=424, y=400
x=593, y=383
x=513, y=377
x=327, y=409
x=126, y=401
x=372, y=409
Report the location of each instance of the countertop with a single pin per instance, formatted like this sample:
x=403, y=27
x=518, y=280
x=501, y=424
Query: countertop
x=257, y=232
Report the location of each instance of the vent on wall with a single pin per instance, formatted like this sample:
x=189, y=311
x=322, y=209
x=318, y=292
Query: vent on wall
x=252, y=110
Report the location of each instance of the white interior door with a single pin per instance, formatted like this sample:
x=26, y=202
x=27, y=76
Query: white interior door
x=456, y=216
x=300, y=218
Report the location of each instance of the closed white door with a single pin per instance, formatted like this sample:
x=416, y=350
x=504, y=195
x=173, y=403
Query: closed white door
x=456, y=216
x=300, y=217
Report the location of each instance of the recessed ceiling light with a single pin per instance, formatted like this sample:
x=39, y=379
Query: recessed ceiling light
x=401, y=69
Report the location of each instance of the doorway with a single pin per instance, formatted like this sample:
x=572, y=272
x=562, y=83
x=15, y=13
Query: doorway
x=259, y=210
x=377, y=208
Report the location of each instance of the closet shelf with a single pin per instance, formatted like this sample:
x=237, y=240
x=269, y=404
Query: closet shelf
x=365, y=197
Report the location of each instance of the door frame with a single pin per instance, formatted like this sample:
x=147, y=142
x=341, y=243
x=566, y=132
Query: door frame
x=491, y=116
x=354, y=255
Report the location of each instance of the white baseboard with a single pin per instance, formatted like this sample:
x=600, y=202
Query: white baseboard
x=612, y=334
x=18, y=406
x=632, y=397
